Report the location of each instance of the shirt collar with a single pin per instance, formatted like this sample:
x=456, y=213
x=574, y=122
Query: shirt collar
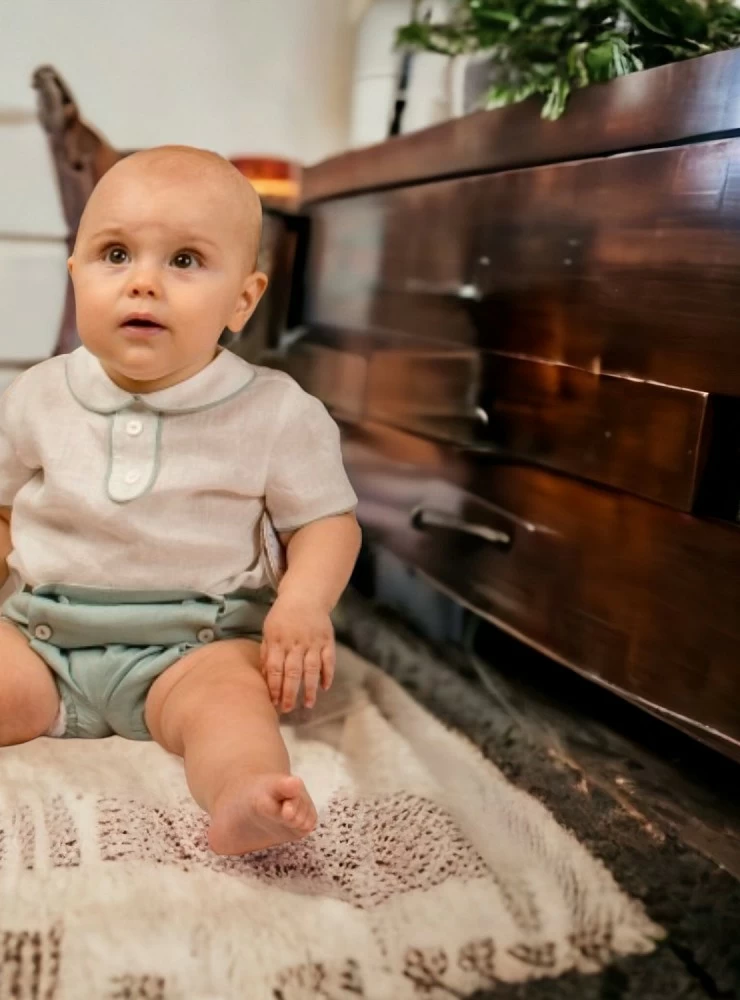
x=223, y=378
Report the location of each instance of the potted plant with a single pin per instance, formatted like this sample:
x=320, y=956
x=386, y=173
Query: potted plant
x=551, y=47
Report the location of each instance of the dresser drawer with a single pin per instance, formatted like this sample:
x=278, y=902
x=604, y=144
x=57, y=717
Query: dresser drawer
x=338, y=378
x=626, y=433
x=631, y=263
x=641, y=598
x=638, y=436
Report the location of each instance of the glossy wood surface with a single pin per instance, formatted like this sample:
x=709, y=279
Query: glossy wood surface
x=699, y=98
x=645, y=438
x=641, y=598
x=626, y=266
x=522, y=301
x=640, y=437
x=337, y=377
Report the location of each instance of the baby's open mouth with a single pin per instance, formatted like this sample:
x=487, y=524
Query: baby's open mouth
x=144, y=324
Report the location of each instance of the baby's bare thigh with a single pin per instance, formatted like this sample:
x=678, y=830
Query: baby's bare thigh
x=219, y=667
x=29, y=700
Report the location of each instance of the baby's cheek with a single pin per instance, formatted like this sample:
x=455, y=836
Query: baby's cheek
x=92, y=295
x=201, y=301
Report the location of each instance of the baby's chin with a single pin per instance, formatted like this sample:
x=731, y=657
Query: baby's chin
x=141, y=369
x=139, y=365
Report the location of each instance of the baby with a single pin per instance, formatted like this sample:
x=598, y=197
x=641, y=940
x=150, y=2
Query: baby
x=141, y=478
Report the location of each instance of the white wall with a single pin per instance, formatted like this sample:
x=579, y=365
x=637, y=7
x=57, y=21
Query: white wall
x=236, y=76
x=267, y=76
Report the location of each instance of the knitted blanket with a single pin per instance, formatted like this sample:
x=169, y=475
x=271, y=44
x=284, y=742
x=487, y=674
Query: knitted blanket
x=429, y=875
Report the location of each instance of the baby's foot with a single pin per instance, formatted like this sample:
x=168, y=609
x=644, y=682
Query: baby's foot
x=255, y=813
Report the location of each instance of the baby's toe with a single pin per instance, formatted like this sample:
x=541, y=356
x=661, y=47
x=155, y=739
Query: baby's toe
x=306, y=818
x=290, y=787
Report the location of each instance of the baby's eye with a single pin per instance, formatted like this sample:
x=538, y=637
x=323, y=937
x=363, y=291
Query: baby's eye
x=185, y=261
x=116, y=255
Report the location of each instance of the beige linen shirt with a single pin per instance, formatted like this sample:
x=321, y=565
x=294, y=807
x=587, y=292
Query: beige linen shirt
x=163, y=490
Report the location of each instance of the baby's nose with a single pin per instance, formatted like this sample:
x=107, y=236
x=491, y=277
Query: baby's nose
x=141, y=289
x=144, y=284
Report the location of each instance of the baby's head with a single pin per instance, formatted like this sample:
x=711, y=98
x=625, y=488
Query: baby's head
x=165, y=259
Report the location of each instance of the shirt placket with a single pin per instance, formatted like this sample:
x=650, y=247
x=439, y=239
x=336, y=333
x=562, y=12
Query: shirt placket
x=134, y=452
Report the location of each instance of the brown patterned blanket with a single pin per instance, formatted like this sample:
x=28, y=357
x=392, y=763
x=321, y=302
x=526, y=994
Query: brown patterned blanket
x=429, y=875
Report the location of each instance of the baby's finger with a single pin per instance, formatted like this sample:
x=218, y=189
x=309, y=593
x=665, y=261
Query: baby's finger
x=328, y=663
x=311, y=671
x=273, y=670
x=292, y=676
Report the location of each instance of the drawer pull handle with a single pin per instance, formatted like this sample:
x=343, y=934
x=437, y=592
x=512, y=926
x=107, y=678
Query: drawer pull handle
x=424, y=517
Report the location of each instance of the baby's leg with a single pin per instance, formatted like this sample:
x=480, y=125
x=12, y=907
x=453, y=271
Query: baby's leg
x=214, y=710
x=29, y=700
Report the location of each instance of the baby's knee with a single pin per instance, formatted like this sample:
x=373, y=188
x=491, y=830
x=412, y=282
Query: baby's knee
x=230, y=663
x=209, y=676
x=23, y=715
x=29, y=699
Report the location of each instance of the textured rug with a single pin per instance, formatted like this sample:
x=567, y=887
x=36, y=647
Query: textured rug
x=429, y=875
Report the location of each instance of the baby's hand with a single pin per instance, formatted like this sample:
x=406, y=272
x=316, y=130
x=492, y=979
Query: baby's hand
x=297, y=645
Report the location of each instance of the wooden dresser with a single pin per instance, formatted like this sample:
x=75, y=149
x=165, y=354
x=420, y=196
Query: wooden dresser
x=530, y=334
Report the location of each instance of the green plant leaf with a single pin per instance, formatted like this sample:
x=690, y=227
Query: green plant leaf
x=556, y=100
x=599, y=61
x=634, y=8
x=502, y=96
x=577, y=64
x=551, y=47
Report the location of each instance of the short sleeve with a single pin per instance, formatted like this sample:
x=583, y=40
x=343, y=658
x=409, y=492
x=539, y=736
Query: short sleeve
x=14, y=473
x=306, y=479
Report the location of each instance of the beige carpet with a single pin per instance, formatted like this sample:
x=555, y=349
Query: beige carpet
x=429, y=875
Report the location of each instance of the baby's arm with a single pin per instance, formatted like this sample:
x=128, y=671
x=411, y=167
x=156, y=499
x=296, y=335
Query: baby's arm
x=5, y=543
x=298, y=637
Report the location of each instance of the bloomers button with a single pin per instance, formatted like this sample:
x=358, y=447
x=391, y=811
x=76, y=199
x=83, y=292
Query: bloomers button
x=134, y=427
x=132, y=476
x=206, y=635
x=42, y=632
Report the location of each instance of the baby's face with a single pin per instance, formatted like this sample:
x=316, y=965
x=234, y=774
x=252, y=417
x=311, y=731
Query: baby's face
x=162, y=264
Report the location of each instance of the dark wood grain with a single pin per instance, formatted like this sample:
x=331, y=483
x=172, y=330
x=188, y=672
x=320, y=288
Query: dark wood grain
x=337, y=377
x=666, y=105
x=538, y=302
x=641, y=437
x=627, y=266
x=633, y=595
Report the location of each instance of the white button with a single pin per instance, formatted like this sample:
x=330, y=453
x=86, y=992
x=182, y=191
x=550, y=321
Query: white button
x=132, y=476
x=134, y=427
x=206, y=635
x=42, y=632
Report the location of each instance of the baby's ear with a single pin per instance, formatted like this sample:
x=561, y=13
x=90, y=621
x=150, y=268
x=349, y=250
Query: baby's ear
x=251, y=292
x=70, y=264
